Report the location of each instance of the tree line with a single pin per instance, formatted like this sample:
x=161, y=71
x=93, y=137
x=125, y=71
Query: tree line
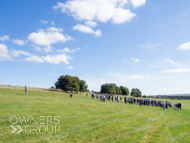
x=112, y=88
x=73, y=83
x=173, y=97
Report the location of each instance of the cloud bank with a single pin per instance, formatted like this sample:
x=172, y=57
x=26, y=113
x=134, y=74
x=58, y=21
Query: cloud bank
x=114, y=11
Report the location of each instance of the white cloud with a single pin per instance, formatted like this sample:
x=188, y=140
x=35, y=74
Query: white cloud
x=4, y=38
x=135, y=60
x=173, y=62
x=69, y=67
x=16, y=53
x=4, y=53
x=99, y=10
x=34, y=58
x=122, y=15
x=67, y=50
x=87, y=29
x=176, y=70
x=46, y=38
x=19, y=42
x=52, y=59
x=44, y=22
x=137, y=3
x=36, y=48
x=98, y=33
x=149, y=46
x=53, y=29
x=185, y=46
x=91, y=23
x=122, y=3
x=8, y=55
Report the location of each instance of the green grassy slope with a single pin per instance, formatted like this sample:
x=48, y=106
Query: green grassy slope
x=90, y=120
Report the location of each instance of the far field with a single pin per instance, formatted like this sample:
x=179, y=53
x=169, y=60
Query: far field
x=89, y=120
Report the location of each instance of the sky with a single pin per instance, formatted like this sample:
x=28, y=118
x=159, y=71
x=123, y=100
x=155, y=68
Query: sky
x=142, y=44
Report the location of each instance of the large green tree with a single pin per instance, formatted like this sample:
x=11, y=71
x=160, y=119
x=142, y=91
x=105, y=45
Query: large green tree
x=108, y=88
x=71, y=83
x=83, y=86
x=136, y=92
x=112, y=88
x=125, y=90
x=118, y=90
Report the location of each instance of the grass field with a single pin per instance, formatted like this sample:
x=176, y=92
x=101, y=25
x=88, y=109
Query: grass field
x=90, y=120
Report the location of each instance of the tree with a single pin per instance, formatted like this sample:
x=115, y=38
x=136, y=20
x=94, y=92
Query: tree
x=112, y=88
x=133, y=92
x=139, y=94
x=125, y=90
x=118, y=90
x=136, y=92
x=108, y=88
x=70, y=83
x=144, y=96
x=83, y=86
x=52, y=87
x=104, y=88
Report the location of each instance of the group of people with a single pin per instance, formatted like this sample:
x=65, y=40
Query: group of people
x=140, y=102
x=177, y=106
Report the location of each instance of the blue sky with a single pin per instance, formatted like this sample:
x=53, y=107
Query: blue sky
x=141, y=44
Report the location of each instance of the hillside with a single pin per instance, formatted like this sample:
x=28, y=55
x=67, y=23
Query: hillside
x=81, y=119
